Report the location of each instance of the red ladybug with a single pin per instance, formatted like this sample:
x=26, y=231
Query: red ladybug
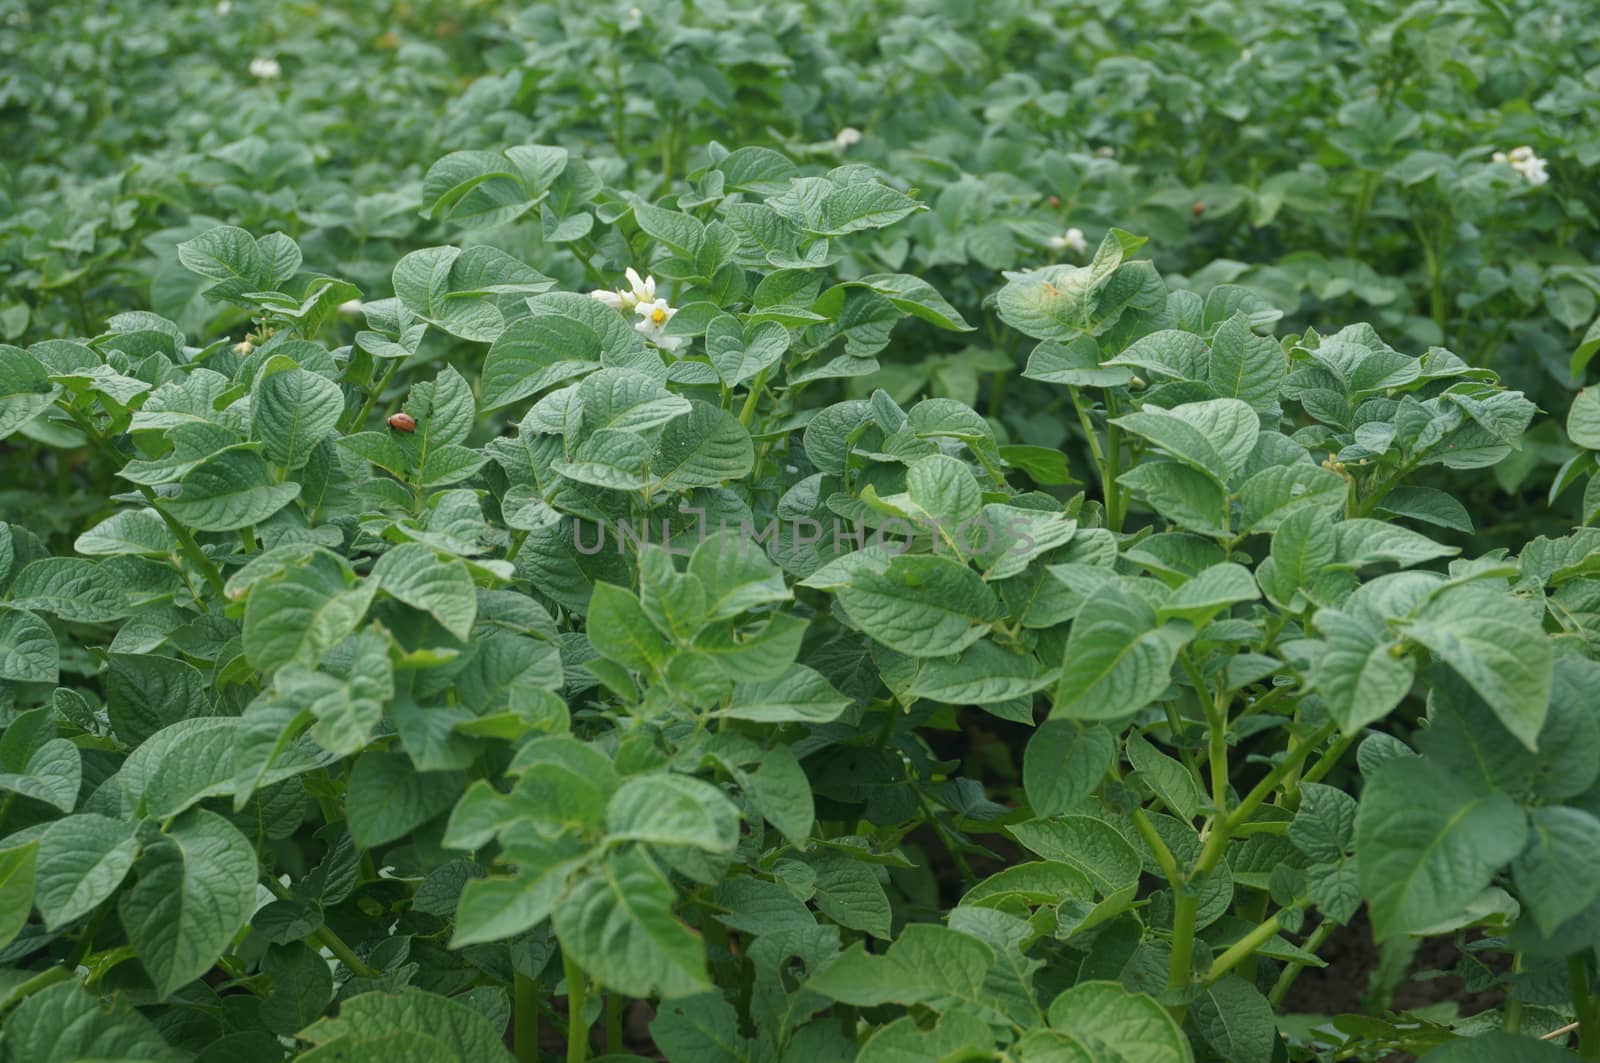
x=402, y=422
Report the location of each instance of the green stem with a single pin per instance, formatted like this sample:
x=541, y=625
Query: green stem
x=749, y=409
x=525, y=1024
x=1291, y=971
x=373, y=396
x=1369, y=182
x=1095, y=451
x=43, y=980
x=186, y=540
x=1263, y=790
x=1583, y=1003
x=614, y=1005
x=325, y=937
x=1116, y=503
x=577, y=1030
x=1164, y=857
x=1513, y=1016
x=1243, y=948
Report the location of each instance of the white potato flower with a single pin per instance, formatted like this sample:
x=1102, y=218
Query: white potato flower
x=639, y=290
x=653, y=318
x=1523, y=160
x=1105, y=151
x=224, y=7
x=1071, y=240
x=264, y=68
x=847, y=138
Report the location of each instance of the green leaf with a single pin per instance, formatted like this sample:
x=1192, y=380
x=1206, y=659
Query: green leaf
x=1497, y=1047
x=1118, y=659
x=945, y=489
x=291, y=412
x=1063, y=764
x=128, y=531
x=1558, y=874
x=388, y=797
x=1236, y=1021
x=444, y=590
x=1131, y=1024
x=1215, y=437
x=232, y=490
x=1182, y=494
x=1276, y=492
x=52, y=773
x=406, y=1025
x=302, y=988
x=17, y=866
x=83, y=859
x=302, y=615
x=1091, y=845
x=700, y=1029
x=849, y=893
x=621, y=631
x=617, y=923
x=28, y=651
x=70, y=588
x=1361, y=672
x=920, y=605
x=927, y=964
x=1583, y=419
x=1502, y=653
x=800, y=695
x=1169, y=779
x=1428, y=844
x=1245, y=366
x=196, y=889
x=672, y=809
x=1324, y=826
x=534, y=354
x=25, y=389
x=65, y=1023
x=702, y=448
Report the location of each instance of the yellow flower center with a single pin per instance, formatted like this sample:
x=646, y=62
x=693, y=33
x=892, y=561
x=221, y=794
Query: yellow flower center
x=659, y=316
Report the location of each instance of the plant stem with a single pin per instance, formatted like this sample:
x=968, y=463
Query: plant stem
x=325, y=936
x=1095, y=450
x=1291, y=971
x=1115, y=502
x=577, y=1030
x=1513, y=1017
x=525, y=1024
x=614, y=1023
x=748, y=411
x=1243, y=948
x=372, y=396
x=1584, y=1004
x=43, y=980
x=1263, y=789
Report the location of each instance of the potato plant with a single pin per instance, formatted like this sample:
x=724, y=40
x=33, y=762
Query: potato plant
x=699, y=532
x=610, y=660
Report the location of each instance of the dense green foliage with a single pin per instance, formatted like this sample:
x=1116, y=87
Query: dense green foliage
x=511, y=512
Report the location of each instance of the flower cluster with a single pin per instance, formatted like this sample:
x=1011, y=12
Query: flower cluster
x=1525, y=162
x=847, y=138
x=640, y=297
x=1071, y=240
x=264, y=68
